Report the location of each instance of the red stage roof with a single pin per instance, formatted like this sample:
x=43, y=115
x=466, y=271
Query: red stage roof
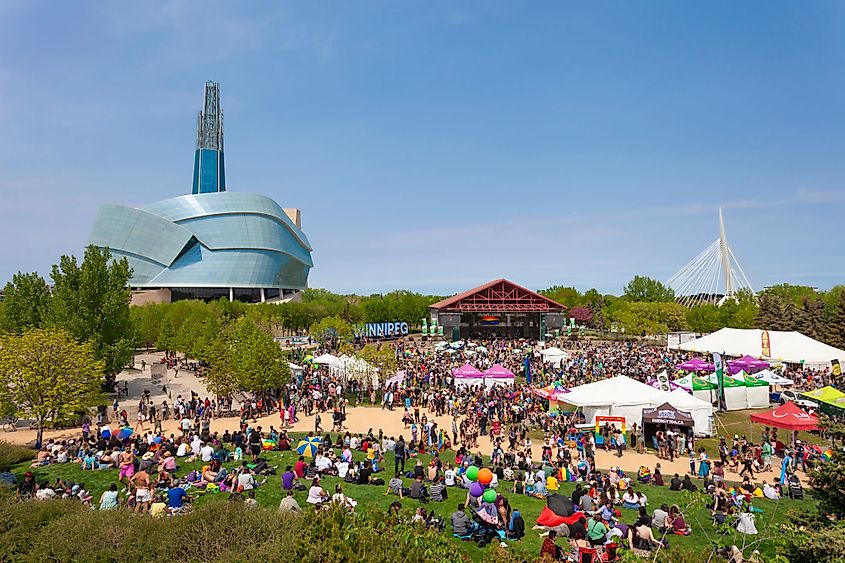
x=788, y=416
x=499, y=296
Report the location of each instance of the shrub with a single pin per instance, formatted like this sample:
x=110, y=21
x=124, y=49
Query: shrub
x=11, y=455
x=221, y=531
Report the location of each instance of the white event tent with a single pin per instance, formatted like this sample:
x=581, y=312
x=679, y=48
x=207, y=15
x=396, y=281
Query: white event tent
x=295, y=370
x=328, y=360
x=615, y=396
x=772, y=378
x=790, y=347
x=623, y=396
x=553, y=355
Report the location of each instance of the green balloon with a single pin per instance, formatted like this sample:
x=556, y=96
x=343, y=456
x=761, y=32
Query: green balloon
x=489, y=495
x=472, y=473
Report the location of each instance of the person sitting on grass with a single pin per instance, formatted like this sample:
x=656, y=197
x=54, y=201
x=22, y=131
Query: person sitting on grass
x=289, y=503
x=659, y=517
x=365, y=473
x=43, y=458
x=395, y=486
x=539, y=490
x=641, y=537
x=109, y=500
x=516, y=526
x=657, y=478
x=596, y=530
x=630, y=500
x=418, y=490
x=340, y=499
x=316, y=494
x=676, y=522
x=675, y=484
x=462, y=525
x=770, y=492
x=551, y=551
x=438, y=490
x=606, y=513
x=176, y=497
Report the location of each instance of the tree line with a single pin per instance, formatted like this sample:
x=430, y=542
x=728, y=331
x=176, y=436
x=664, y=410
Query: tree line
x=649, y=307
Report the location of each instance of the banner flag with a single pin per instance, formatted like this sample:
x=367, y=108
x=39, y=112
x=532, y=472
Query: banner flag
x=720, y=378
x=765, y=344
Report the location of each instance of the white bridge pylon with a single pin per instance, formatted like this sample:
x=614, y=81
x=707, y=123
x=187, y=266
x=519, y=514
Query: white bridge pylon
x=711, y=277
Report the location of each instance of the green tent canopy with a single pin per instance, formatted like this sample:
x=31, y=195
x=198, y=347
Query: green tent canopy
x=694, y=383
x=831, y=400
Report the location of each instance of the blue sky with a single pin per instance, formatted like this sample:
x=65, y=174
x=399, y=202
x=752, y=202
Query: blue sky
x=436, y=145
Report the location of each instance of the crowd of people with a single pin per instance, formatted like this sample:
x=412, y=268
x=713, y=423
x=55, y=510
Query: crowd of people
x=147, y=461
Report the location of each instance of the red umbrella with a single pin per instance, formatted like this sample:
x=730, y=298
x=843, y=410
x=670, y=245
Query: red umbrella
x=789, y=417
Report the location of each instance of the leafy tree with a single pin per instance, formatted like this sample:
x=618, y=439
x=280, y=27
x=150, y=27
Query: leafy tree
x=48, y=376
x=198, y=331
x=568, y=296
x=25, y=302
x=331, y=328
x=91, y=302
x=582, y=315
x=382, y=357
x=645, y=289
x=147, y=322
x=245, y=358
x=705, y=318
x=643, y=318
x=770, y=313
x=595, y=301
x=398, y=305
x=836, y=325
x=789, y=293
x=810, y=318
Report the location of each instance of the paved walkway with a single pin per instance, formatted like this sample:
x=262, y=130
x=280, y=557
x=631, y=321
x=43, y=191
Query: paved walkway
x=361, y=419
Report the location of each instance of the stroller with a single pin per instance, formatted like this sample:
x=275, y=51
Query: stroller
x=483, y=535
x=796, y=491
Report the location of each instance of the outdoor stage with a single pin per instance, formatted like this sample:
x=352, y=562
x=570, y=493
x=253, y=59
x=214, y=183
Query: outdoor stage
x=499, y=308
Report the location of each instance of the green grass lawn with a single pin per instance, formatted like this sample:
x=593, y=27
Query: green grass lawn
x=739, y=422
x=270, y=495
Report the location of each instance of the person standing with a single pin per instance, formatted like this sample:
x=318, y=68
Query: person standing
x=399, y=451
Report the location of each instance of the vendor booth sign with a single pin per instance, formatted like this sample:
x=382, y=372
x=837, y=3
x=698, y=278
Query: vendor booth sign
x=382, y=330
x=667, y=414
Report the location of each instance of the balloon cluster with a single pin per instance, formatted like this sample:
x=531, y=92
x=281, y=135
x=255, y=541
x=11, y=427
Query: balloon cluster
x=480, y=487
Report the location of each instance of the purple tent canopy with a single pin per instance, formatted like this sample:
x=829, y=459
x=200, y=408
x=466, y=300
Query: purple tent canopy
x=398, y=379
x=748, y=364
x=656, y=384
x=467, y=371
x=695, y=364
x=559, y=394
x=498, y=371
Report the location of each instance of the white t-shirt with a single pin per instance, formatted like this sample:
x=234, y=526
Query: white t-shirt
x=449, y=477
x=342, y=469
x=206, y=452
x=315, y=495
x=323, y=463
x=246, y=480
x=182, y=451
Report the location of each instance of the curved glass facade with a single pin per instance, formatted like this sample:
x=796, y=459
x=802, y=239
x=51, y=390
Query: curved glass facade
x=207, y=240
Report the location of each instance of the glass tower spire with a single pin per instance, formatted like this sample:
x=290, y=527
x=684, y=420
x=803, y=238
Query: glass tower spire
x=209, y=166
